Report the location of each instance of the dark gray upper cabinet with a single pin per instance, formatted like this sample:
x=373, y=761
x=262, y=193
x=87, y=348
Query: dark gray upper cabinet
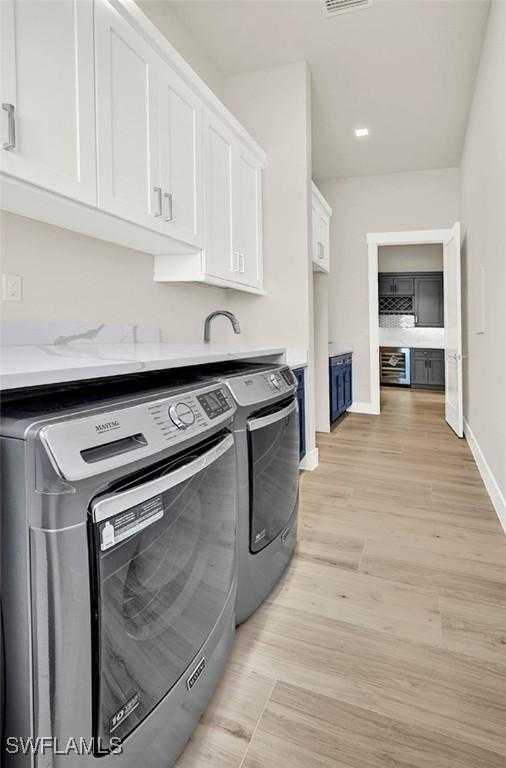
x=429, y=307
x=395, y=285
x=426, y=290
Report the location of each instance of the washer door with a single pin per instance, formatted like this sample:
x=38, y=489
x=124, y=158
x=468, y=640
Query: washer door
x=273, y=447
x=163, y=545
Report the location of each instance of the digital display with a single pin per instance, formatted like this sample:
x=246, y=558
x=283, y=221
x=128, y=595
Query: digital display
x=213, y=403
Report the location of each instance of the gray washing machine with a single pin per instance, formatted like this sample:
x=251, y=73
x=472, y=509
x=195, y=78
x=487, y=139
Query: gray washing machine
x=266, y=429
x=119, y=508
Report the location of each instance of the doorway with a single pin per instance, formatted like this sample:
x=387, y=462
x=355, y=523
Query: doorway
x=395, y=291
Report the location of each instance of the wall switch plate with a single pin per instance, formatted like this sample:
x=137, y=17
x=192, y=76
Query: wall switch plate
x=12, y=288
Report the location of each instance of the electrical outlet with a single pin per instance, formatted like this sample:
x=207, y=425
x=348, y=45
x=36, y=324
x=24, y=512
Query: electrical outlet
x=12, y=287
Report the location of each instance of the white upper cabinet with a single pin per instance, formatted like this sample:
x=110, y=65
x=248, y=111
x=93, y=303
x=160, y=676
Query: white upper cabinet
x=47, y=91
x=247, y=219
x=129, y=183
x=321, y=213
x=233, y=202
x=180, y=116
x=98, y=108
x=218, y=257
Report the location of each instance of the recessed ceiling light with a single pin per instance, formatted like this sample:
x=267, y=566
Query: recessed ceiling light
x=361, y=132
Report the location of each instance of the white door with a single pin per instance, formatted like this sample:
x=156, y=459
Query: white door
x=181, y=159
x=47, y=92
x=127, y=122
x=219, y=261
x=247, y=219
x=453, y=332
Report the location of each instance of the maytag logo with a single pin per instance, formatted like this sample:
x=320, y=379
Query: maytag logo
x=190, y=682
x=107, y=426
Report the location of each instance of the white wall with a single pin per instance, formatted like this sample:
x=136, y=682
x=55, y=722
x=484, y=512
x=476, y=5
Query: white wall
x=393, y=202
x=483, y=202
x=168, y=23
x=411, y=258
x=71, y=277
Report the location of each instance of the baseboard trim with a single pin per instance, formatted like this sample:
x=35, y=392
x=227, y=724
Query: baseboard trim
x=310, y=460
x=363, y=408
x=488, y=478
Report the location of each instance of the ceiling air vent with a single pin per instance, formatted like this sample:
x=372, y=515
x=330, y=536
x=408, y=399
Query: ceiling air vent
x=335, y=7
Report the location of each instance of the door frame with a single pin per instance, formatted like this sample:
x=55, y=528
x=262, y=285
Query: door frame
x=374, y=241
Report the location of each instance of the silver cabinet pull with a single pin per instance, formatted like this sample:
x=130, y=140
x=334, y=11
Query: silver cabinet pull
x=235, y=261
x=168, y=206
x=320, y=250
x=158, y=210
x=241, y=263
x=11, y=143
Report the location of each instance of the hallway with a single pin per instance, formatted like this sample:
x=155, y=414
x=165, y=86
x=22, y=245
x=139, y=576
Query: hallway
x=385, y=644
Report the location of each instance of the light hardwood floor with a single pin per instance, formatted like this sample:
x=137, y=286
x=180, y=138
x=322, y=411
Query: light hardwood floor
x=385, y=643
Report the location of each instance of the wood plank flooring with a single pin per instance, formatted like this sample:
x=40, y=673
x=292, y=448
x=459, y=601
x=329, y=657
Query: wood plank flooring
x=385, y=643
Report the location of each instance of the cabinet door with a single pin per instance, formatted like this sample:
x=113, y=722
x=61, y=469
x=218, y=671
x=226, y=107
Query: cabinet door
x=419, y=370
x=436, y=371
x=429, y=302
x=247, y=219
x=403, y=286
x=386, y=286
x=127, y=126
x=47, y=88
x=322, y=257
x=218, y=153
x=348, y=399
x=181, y=158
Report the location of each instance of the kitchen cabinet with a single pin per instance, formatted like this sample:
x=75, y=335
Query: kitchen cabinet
x=233, y=253
x=247, y=262
x=429, y=304
x=107, y=113
x=427, y=368
x=180, y=141
x=340, y=385
x=320, y=220
x=129, y=182
x=395, y=285
x=299, y=375
x=47, y=90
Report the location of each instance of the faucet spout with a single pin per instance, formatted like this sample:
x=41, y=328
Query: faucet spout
x=207, y=325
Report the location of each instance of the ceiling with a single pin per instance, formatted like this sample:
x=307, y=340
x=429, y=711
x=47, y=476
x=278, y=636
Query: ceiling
x=403, y=68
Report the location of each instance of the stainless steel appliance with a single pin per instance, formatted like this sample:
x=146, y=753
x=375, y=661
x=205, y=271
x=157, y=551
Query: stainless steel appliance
x=118, y=566
x=395, y=366
x=266, y=429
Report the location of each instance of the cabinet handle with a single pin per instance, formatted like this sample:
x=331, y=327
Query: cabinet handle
x=158, y=193
x=321, y=250
x=235, y=261
x=11, y=142
x=241, y=263
x=168, y=206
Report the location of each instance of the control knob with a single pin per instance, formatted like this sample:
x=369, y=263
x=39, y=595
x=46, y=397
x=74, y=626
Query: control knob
x=181, y=415
x=274, y=381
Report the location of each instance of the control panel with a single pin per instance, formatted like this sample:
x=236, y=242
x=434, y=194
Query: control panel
x=82, y=447
x=262, y=385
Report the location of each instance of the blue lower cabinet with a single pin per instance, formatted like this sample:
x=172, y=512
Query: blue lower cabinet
x=340, y=385
x=299, y=375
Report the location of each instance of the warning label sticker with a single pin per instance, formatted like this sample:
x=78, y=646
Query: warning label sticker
x=130, y=522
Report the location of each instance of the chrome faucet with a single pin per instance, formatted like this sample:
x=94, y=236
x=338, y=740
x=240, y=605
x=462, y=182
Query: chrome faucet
x=231, y=317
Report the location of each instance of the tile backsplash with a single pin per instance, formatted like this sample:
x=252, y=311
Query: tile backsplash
x=396, y=321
